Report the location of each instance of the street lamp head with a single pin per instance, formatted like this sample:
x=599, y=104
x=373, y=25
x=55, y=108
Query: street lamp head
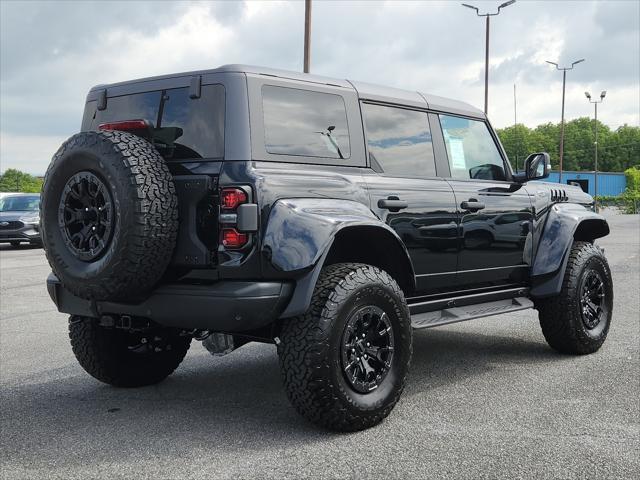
x=471, y=7
x=577, y=62
x=506, y=4
x=552, y=63
x=588, y=95
x=602, y=95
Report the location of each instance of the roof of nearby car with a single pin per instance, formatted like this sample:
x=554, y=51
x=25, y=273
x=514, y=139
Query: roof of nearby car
x=18, y=194
x=365, y=91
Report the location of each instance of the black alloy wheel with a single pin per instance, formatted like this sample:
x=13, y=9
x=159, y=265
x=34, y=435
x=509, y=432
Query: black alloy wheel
x=367, y=348
x=86, y=216
x=592, y=300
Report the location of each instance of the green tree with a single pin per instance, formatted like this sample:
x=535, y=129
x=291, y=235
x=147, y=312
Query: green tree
x=13, y=180
x=618, y=150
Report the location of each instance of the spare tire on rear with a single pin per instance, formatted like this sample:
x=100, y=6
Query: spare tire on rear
x=109, y=215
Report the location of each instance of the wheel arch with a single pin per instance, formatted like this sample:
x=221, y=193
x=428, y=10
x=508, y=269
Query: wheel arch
x=565, y=224
x=374, y=246
x=304, y=235
x=590, y=229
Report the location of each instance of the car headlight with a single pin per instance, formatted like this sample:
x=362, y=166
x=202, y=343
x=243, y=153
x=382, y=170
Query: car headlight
x=34, y=219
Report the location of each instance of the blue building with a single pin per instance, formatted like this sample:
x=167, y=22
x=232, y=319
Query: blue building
x=609, y=183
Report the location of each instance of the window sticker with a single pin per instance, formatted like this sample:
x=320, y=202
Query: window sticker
x=457, y=153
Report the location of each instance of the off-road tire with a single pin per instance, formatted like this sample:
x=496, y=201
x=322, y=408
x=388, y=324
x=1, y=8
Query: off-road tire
x=145, y=215
x=560, y=316
x=309, y=349
x=108, y=354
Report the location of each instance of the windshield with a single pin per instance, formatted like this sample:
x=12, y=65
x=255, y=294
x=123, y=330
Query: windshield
x=20, y=204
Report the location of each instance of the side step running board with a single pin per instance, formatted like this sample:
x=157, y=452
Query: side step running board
x=469, y=312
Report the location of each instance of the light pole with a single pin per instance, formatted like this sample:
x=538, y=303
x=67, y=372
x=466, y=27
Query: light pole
x=486, y=47
x=564, y=83
x=307, y=36
x=515, y=125
x=595, y=172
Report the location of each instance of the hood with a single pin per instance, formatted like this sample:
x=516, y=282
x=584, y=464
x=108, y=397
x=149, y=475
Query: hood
x=561, y=192
x=17, y=215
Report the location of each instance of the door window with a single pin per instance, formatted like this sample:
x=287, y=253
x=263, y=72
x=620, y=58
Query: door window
x=305, y=123
x=399, y=140
x=472, y=152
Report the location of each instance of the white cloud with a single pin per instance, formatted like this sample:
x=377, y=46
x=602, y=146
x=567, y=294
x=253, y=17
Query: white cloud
x=29, y=153
x=435, y=47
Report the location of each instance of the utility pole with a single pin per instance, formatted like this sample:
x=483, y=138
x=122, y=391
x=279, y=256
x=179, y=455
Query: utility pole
x=486, y=46
x=564, y=83
x=307, y=35
x=595, y=172
x=486, y=64
x=515, y=125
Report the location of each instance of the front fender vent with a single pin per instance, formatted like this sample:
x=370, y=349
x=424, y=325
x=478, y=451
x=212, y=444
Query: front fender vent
x=559, y=195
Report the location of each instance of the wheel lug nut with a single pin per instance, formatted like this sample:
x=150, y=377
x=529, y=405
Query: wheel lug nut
x=363, y=335
x=143, y=340
x=365, y=356
x=368, y=344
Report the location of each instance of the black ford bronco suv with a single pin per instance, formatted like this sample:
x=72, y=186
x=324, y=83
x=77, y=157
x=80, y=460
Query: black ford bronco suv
x=326, y=216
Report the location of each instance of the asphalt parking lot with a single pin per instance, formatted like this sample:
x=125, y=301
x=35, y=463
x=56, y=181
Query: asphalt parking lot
x=485, y=399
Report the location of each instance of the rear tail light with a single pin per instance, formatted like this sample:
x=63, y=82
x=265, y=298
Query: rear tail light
x=232, y=198
x=231, y=238
x=137, y=127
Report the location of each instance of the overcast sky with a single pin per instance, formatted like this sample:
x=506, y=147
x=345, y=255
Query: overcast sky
x=53, y=52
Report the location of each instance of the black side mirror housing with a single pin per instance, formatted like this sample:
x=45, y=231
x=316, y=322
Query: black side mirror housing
x=536, y=167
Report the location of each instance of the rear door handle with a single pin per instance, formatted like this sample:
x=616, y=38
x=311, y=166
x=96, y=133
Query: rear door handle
x=393, y=204
x=472, y=205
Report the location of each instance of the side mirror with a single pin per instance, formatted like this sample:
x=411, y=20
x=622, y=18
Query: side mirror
x=537, y=166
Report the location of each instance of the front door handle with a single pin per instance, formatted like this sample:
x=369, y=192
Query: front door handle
x=393, y=204
x=472, y=205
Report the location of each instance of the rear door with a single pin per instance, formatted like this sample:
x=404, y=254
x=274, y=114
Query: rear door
x=495, y=214
x=407, y=194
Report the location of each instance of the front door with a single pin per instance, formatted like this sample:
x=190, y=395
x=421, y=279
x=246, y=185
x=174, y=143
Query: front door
x=408, y=196
x=495, y=215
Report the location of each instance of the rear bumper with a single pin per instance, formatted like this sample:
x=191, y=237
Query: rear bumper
x=230, y=306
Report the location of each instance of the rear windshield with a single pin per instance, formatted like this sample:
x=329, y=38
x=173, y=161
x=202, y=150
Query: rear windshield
x=183, y=128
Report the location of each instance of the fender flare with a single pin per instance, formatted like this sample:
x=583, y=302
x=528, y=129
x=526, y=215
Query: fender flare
x=564, y=224
x=299, y=235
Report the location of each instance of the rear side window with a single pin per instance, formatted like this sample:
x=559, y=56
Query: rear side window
x=183, y=128
x=399, y=140
x=472, y=152
x=305, y=123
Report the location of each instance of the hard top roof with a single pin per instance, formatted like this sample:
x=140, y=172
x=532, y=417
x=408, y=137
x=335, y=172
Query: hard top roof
x=366, y=91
